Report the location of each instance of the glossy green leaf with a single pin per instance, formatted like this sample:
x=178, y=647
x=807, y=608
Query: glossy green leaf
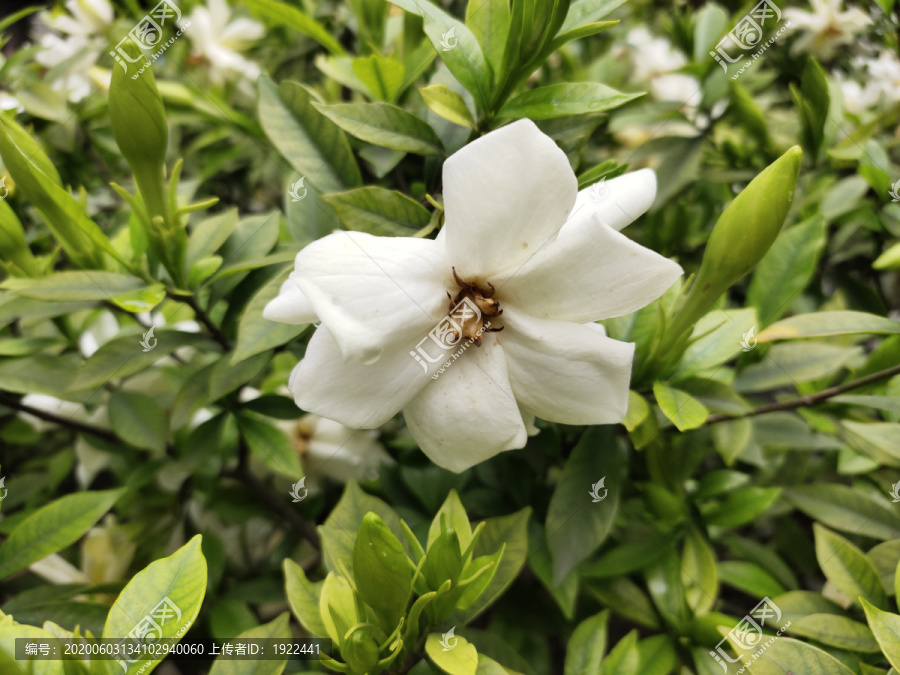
x=459, y=659
x=826, y=324
x=169, y=591
x=448, y=104
x=577, y=523
x=270, y=444
x=280, y=13
x=384, y=213
x=382, y=75
x=53, y=527
x=384, y=124
x=835, y=631
x=845, y=566
x=847, y=509
x=786, y=270
x=315, y=147
x=303, y=596
x=69, y=286
x=558, y=100
x=279, y=628
x=257, y=334
x=586, y=647
x=783, y=650
x=886, y=628
x=682, y=409
x=139, y=420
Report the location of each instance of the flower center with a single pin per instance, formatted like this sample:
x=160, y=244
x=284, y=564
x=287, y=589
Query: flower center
x=474, y=309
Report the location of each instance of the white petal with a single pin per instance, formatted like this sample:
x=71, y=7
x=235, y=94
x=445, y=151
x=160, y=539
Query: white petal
x=566, y=372
x=468, y=414
x=356, y=395
x=241, y=32
x=372, y=292
x=505, y=195
x=592, y=272
x=290, y=305
x=617, y=202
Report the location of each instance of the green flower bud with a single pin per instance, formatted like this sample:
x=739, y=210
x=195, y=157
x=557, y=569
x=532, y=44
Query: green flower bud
x=741, y=237
x=139, y=126
x=443, y=560
x=360, y=651
x=382, y=570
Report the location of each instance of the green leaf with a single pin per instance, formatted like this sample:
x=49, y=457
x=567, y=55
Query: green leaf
x=886, y=627
x=448, y=104
x=627, y=599
x=278, y=628
x=716, y=339
x=178, y=581
x=657, y=655
x=384, y=124
x=584, y=31
x=511, y=533
x=845, y=566
x=489, y=22
x=879, y=440
x=790, y=364
x=270, y=445
x=381, y=74
x=709, y=25
x=784, y=650
x=457, y=45
x=53, y=527
x=835, y=631
x=889, y=259
x=303, y=596
x=750, y=578
x=787, y=268
x=587, y=11
x=682, y=409
x=845, y=508
x=576, y=525
x=337, y=607
x=812, y=103
x=460, y=659
x=454, y=516
x=139, y=420
x=209, y=235
x=624, y=658
x=827, y=324
x=384, y=213
x=141, y=300
x=74, y=286
x=570, y=98
x=9, y=665
x=315, y=147
x=382, y=570
x=278, y=13
x=257, y=334
x=339, y=531
x=587, y=646
x=123, y=356
x=699, y=574
x=741, y=506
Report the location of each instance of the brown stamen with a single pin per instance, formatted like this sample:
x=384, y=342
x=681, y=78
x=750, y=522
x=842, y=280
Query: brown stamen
x=473, y=309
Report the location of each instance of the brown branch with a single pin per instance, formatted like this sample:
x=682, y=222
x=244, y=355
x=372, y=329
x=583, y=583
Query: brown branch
x=99, y=432
x=811, y=399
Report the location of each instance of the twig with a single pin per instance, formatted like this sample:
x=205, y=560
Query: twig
x=99, y=432
x=279, y=506
x=812, y=399
x=203, y=318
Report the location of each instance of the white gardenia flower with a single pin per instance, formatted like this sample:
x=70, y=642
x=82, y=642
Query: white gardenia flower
x=826, y=28
x=520, y=238
x=330, y=449
x=220, y=41
x=655, y=62
x=85, y=17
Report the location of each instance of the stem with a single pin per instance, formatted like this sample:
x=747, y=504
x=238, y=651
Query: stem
x=279, y=506
x=812, y=399
x=203, y=318
x=99, y=432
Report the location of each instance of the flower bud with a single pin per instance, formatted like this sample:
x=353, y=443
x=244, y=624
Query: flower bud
x=741, y=237
x=139, y=126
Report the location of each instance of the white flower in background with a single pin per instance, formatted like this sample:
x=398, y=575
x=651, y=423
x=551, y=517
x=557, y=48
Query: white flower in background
x=521, y=240
x=220, y=42
x=97, y=333
x=85, y=18
x=878, y=83
x=655, y=60
x=330, y=449
x=77, y=47
x=55, y=406
x=826, y=28
x=10, y=102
